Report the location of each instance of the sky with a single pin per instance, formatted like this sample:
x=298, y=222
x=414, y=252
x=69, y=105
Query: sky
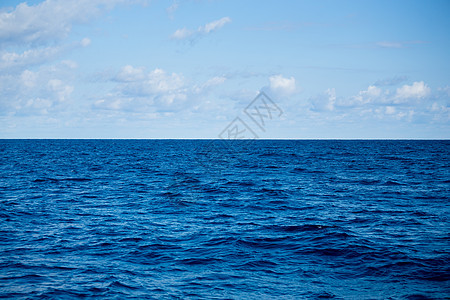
x=225, y=69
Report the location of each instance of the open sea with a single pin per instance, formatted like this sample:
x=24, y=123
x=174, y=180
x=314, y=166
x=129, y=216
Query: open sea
x=212, y=219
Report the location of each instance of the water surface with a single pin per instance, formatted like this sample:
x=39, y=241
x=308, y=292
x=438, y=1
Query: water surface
x=169, y=219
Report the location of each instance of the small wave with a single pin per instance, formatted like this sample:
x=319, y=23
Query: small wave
x=131, y=239
x=298, y=228
x=369, y=181
x=240, y=183
x=272, y=167
x=54, y=293
x=299, y=170
x=274, y=192
x=39, y=180
x=417, y=297
x=190, y=180
x=199, y=261
x=31, y=278
x=286, y=243
x=392, y=183
x=160, y=247
x=171, y=194
x=258, y=264
x=269, y=154
x=323, y=295
x=76, y=179
x=118, y=284
x=219, y=241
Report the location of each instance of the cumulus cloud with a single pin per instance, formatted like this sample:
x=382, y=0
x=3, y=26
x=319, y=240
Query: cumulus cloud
x=139, y=90
x=161, y=82
x=377, y=103
x=370, y=95
x=417, y=90
x=281, y=85
x=185, y=33
x=376, y=96
x=38, y=91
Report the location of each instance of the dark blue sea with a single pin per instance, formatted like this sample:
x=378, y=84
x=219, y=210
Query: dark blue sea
x=211, y=219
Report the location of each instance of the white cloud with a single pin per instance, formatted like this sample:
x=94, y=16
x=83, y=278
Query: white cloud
x=129, y=73
x=390, y=110
x=214, y=25
x=181, y=34
x=14, y=62
x=85, y=42
x=376, y=96
x=38, y=91
x=28, y=78
x=136, y=82
x=185, y=33
x=141, y=91
x=36, y=105
x=378, y=104
x=40, y=29
x=217, y=80
x=161, y=82
x=11, y=61
x=415, y=91
x=48, y=21
x=372, y=91
x=281, y=85
x=368, y=95
x=61, y=90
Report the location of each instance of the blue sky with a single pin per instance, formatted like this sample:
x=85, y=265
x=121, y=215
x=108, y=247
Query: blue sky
x=188, y=69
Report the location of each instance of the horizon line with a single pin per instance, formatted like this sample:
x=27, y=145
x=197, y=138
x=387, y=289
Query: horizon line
x=258, y=139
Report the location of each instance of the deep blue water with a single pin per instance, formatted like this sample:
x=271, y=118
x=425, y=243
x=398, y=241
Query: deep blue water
x=188, y=219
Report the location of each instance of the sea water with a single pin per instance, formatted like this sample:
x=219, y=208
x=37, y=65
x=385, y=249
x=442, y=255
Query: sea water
x=212, y=219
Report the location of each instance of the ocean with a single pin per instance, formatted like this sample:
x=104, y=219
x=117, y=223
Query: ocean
x=213, y=219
